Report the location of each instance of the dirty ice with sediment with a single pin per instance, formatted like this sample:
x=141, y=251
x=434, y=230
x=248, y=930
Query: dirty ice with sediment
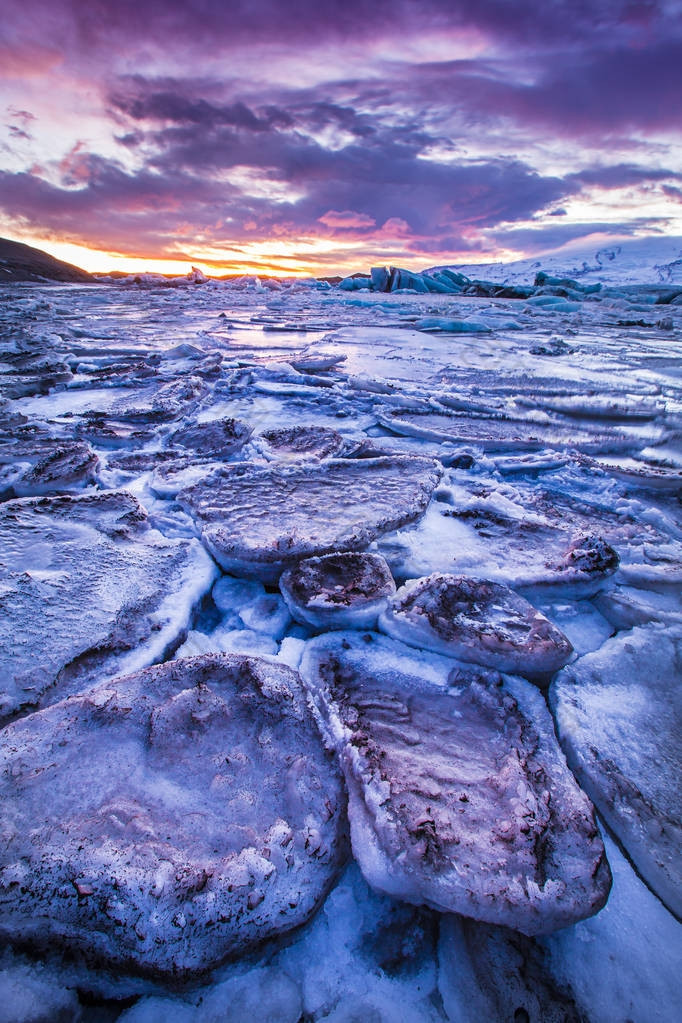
x=341, y=646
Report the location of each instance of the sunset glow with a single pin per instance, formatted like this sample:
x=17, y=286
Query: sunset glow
x=304, y=139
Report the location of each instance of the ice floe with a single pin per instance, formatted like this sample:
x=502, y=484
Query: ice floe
x=459, y=796
x=549, y=446
x=166, y=820
x=476, y=620
x=619, y=719
x=338, y=591
x=88, y=590
x=256, y=521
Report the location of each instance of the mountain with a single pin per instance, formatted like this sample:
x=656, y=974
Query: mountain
x=656, y=260
x=19, y=262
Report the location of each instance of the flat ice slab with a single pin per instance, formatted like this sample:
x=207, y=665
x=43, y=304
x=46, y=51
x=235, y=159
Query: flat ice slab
x=619, y=718
x=476, y=620
x=166, y=820
x=87, y=590
x=459, y=796
x=258, y=521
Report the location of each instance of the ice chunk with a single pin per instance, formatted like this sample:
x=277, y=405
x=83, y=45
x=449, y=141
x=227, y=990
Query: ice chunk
x=267, y=614
x=163, y=404
x=166, y=820
x=502, y=433
x=625, y=963
x=584, y=566
x=219, y=438
x=55, y=467
x=338, y=591
x=496, y=974
x=588, y=406
x=619, y=718
x=230, y=594
x=624, y=607
x=258, y=521
x=88, y=590
x=299, y=442
x=459, y=796
x=452, y=326
x=32, y=993
x=476, y=620
x=243, y=641
x=645, y=477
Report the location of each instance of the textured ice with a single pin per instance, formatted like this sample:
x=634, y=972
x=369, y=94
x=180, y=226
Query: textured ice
x=268, y=614
x=482, y=531
x=626, y=962
x=302, y=442
x=166, y=820
x=501, y=434
x=48, y=467
x=132, y=371
x=219, y=438
x=363, y=957
x=88, y=590
x=459, y=796
x=619, y=718
x=256, y=522
x=479, y=621
x=338, y=591
x=496, y=974
x=602, y=406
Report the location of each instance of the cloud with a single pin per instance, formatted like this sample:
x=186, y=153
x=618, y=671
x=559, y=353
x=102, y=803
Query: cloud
x=346, y=219
x=431, y=127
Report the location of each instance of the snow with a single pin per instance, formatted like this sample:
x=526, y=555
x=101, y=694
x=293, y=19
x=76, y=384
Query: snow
x=655, y=260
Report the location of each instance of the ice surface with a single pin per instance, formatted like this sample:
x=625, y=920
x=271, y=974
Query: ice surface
x=496, y=974
x=256, y=522
x=626, y=962
x=219, y=438
x=338, y=591
x=156, y=382
x=88, y=590
x=500, y=434
x=49, y=467
x=34, y=994
x=302, y=442
x=459, y=797
x=478, y=621
x=166, y=820
x=619, y=718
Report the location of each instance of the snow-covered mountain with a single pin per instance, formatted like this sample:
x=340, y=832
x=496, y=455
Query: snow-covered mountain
x=632, y=261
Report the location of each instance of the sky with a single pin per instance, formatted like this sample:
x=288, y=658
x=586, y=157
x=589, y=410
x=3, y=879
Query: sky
x=314, y=136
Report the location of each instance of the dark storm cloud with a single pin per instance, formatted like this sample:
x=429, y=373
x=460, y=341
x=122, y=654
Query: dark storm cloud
x=179, y=108
x=379, y=174
x=144, y=207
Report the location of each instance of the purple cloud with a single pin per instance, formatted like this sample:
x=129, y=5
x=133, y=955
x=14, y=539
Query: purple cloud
x=432, y=155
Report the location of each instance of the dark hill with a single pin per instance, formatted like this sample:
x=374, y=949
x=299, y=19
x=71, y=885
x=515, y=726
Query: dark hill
x=19, y=262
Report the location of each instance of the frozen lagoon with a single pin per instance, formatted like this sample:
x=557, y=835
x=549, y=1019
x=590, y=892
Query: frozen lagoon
x=551, y=438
